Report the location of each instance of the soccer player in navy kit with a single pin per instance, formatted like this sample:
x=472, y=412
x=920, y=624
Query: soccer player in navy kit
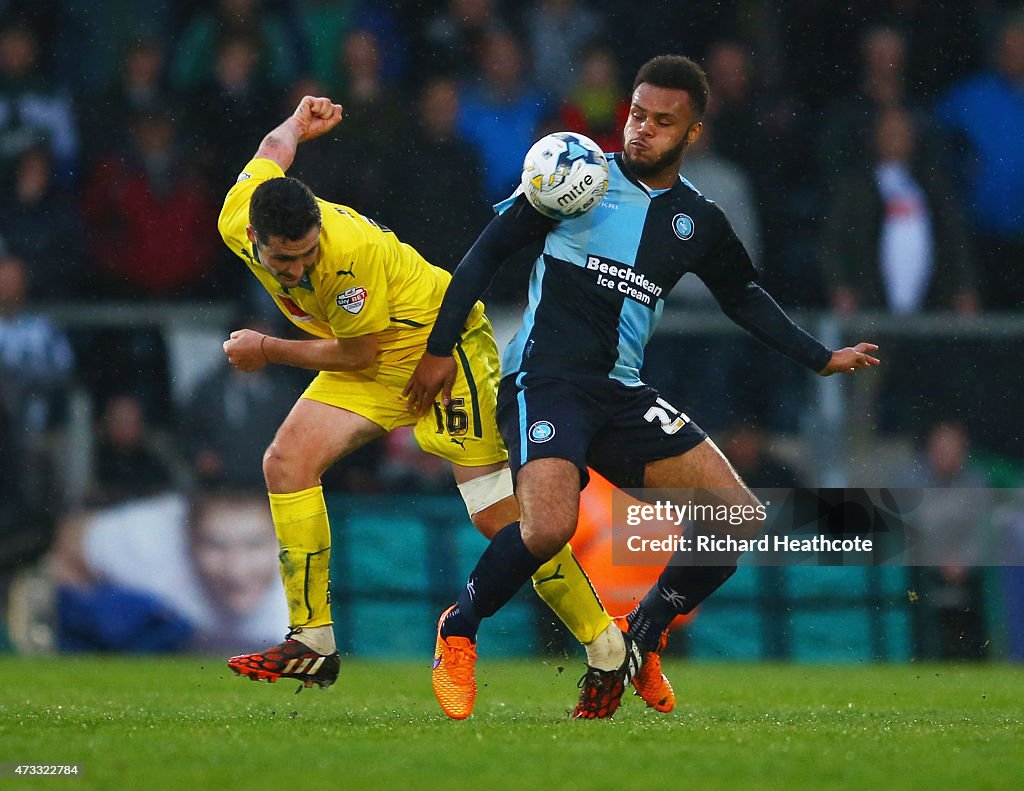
x=571, y=394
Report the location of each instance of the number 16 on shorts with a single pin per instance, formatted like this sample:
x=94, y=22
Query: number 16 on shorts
x=453, y=417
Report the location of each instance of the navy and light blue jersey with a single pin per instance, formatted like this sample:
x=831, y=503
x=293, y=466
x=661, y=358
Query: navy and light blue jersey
x=606, y=274
x=598, y=289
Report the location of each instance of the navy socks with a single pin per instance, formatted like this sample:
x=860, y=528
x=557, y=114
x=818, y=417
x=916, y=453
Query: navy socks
x=678, y=591
x=502, y=570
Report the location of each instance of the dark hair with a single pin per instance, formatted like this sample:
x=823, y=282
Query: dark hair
x=283, y=207
x=679, y=72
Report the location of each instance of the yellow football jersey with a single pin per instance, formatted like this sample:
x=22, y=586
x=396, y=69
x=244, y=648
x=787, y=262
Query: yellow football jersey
x=364, y=280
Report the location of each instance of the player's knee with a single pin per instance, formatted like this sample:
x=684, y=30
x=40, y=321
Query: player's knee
x=280, y=470
x=546, y=531
x=272, y=468
x=545, y=540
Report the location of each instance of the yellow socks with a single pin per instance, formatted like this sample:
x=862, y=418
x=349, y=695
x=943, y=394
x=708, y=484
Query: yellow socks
x=566, y=589
x=304, y=535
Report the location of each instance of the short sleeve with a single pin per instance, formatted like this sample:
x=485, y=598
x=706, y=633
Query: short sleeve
x=234, y=215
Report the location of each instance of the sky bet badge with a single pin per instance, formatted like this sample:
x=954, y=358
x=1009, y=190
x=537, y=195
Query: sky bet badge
x=352, y=299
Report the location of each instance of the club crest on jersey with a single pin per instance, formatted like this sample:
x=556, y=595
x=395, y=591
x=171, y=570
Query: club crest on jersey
x=683, y=226
x=541, y=431
x=352, y=299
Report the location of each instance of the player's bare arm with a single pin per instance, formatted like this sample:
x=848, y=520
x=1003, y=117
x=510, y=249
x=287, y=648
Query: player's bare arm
x=249, y=351
x=503, y=236
x=313, y=117
x=848, y=360
x=433, y=375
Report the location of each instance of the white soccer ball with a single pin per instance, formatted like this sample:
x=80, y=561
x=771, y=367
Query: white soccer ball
x=565, y=175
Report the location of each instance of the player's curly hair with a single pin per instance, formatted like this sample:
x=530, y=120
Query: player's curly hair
x=283, y=207
x=679, y=72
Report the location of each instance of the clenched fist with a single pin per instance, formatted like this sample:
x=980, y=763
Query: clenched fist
x=245, y=350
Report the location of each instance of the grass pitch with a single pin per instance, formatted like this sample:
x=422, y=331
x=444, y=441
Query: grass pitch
x=188, y=723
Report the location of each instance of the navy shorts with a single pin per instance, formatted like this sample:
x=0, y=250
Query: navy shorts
x=592, y=421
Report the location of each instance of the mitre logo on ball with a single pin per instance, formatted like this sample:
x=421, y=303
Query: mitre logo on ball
x=565, y=174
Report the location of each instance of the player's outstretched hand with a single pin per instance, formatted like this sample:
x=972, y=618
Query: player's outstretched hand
x=433, y=375
x=848, y=360
x=316, y=115
x=245, y=350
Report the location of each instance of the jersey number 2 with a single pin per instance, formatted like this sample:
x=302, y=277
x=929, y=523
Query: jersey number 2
x=667, y=416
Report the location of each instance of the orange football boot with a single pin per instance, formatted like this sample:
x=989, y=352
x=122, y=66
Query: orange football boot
x=650, y=683
x=454, y=677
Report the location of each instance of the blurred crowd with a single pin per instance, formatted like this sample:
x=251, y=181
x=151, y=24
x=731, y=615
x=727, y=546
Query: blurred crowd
x=892, y=122
x=868, y=155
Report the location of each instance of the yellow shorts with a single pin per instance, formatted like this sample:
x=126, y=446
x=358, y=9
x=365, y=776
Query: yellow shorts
x=466, y=433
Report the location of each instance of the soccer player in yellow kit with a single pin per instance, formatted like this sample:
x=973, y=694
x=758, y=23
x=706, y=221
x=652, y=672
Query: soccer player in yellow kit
x=371, y=302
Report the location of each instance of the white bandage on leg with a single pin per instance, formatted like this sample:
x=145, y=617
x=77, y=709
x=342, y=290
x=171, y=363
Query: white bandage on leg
x=485, y=491
x=319, y=638
x=608, y=651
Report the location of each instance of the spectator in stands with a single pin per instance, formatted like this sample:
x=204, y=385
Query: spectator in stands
x=36, y=367
x=92, y=39
x=279, y=50
x=375, y=134
x=374, y=109
x=324, y=24
x=735, y=112
x=500, y=114
x=440, y=162
x=750, y=452
x=559, y=33
x=986, y=114
x=231, y=418
x=764, y=131
x=167, y=573
x=327, y=23
x=895, y=240
x=895, y=237
x=237, y=91
x=130, y=460
x=140, y=87
x=149, y=214
x=728, y=184
x=32, y=110
x=948, y=548
x=40, y=222
x=452, y=42
x=596, y=105
x=883, y=85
